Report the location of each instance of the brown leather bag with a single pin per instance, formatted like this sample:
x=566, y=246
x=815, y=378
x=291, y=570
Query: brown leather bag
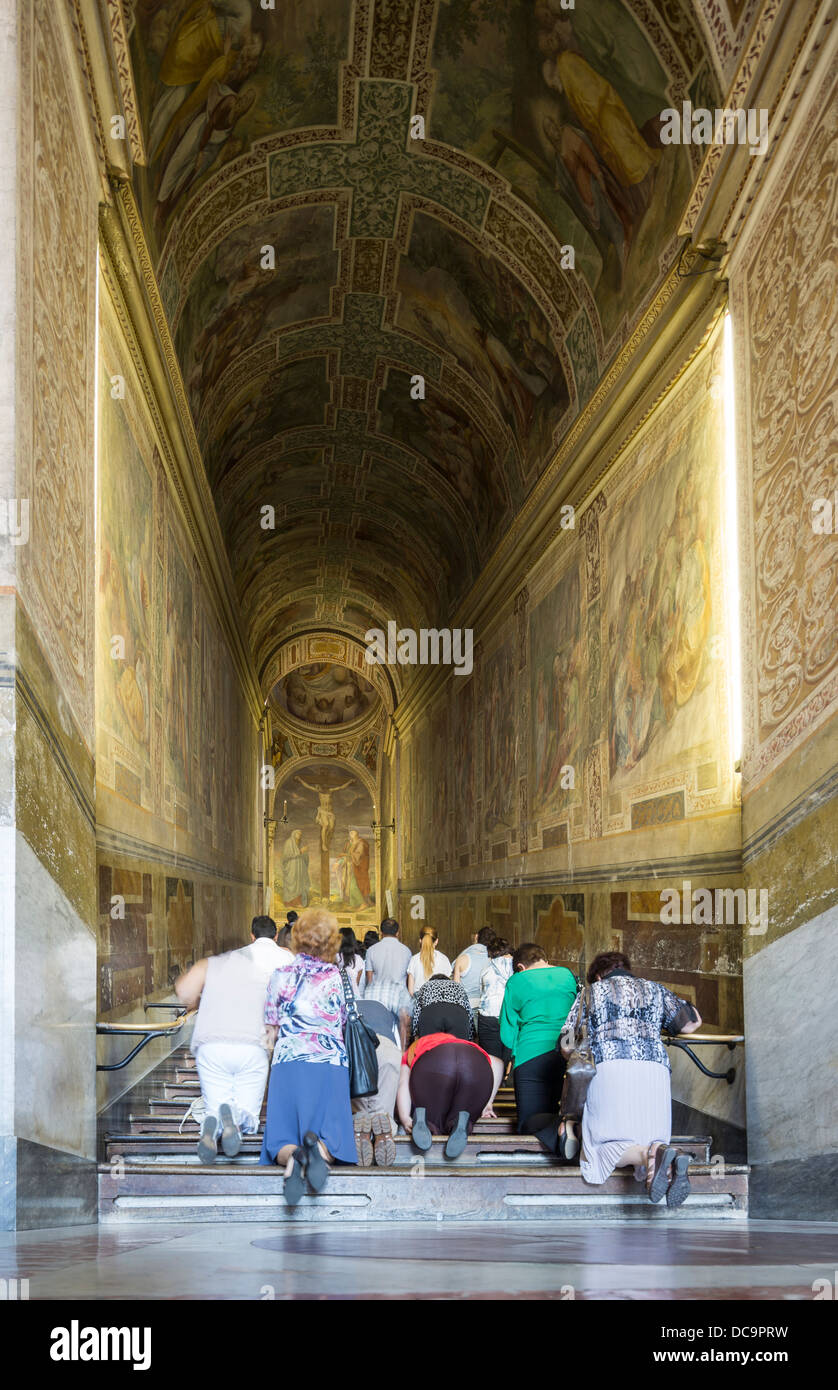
x=581, y=1067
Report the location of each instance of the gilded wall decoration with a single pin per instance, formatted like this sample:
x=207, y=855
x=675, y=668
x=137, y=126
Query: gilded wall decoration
x=558, y=673
x=500, y=752
x=56, y=313
x=788, y=345
x=175, y=740
x=667, y=701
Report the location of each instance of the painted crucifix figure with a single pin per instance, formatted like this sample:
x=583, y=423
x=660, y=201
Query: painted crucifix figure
x=325, y=818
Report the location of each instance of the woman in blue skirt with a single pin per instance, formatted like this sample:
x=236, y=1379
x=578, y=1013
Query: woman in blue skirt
x=309, y=1115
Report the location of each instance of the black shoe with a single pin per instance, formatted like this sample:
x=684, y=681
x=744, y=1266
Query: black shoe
x=318, y=1168
x=664, y=1157
x=231, y=1140
x=420, y=1133
x=295, y=1183
x=458, y=1138
x=207, y=1144
x=679, y=1189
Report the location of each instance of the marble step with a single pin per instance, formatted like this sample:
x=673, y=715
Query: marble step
x=182, y=1192
x=517, y=1147
x=164, y=1115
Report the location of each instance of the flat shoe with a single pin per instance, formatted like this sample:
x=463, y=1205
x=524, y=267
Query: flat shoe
x=679, y=1189
x=207, y=1146
x=295, y=1183
x=231, y=1140
x=458, y=1138
x=318, y=1168
x=568, y=1143
x=664, y=1156
x=420, y=1133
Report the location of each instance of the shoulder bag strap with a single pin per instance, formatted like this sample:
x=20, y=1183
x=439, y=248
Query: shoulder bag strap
x=351, y=1006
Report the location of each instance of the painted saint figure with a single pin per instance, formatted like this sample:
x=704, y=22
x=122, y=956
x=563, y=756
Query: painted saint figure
x=357, y=859
x=296, y=884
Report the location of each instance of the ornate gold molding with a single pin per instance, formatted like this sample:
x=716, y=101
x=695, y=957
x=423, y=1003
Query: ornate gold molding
x=125, y=79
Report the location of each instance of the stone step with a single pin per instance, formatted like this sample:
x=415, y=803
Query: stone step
x=241, y=1192
x=138, y=1146
x=165, y=1115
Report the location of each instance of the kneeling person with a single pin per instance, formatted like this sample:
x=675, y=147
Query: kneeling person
x=443, y=1088
x=228, y=1041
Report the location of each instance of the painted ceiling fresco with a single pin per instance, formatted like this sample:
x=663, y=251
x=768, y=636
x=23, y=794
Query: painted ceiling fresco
x=325, y=695
x=378, y=335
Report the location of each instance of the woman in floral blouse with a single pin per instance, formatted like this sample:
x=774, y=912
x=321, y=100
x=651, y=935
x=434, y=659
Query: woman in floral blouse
x=627, y=1119
x=309, y=1116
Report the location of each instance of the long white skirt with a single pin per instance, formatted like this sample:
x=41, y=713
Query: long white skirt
x=627, y=1103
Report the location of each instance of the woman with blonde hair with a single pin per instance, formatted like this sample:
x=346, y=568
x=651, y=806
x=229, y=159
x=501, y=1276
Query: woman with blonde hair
x=309, y=1116
x=427, y=962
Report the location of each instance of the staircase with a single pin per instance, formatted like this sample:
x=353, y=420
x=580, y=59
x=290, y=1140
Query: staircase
x=152, y=1173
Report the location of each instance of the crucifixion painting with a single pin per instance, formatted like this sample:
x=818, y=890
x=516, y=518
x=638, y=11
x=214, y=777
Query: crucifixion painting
x=325, y=816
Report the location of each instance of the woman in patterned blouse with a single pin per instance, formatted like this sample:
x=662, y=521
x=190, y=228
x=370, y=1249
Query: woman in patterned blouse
x=309, y=1116
x=629, y=1095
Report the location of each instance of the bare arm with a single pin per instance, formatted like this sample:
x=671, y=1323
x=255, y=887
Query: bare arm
x=460, y=967
x=696, y=1023
x=189, y=986
x=403, y=1098
x=308, y=785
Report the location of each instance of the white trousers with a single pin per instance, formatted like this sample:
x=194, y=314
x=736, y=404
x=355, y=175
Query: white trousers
x=233, y=1074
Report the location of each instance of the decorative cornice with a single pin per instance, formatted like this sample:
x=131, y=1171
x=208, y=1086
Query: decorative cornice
x=112, y=841
x=694, y=865
x=809, y=801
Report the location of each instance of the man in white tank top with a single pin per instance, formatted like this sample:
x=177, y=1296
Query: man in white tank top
x=228, y=1040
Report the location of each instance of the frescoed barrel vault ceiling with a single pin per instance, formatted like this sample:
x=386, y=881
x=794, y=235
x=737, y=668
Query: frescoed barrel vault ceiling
x=392, y=257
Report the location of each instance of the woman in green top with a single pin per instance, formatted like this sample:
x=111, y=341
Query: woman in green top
x=537, y=1000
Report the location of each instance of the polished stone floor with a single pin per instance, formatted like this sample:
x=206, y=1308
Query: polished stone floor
x=527, y=1260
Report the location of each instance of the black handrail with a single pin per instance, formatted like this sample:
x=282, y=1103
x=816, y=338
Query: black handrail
x=686, y=1041
x=144, y=1032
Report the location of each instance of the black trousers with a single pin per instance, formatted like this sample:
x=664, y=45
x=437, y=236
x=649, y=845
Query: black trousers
x=448, y=1079
x=538, y=1087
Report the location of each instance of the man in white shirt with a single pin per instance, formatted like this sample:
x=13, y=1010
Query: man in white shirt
x=228, y=1040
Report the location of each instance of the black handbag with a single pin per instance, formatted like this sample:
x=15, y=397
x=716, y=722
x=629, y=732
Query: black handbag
x=581, y=1067
x=360, y=1042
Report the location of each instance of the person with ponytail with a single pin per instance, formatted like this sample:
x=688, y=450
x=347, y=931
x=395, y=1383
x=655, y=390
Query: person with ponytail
x=427, y=962
x=349, y=959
